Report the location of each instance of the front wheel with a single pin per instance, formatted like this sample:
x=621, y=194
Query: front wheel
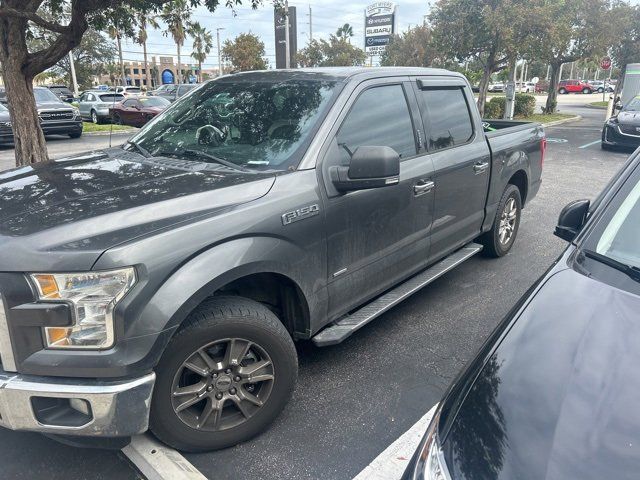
x=94, y=117
x=562, y=91
x=585, y=91
x=499, y=240
x=224, y=377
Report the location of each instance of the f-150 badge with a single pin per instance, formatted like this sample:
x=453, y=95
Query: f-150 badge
x=300, y=214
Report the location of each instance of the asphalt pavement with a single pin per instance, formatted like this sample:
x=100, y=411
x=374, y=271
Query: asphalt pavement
x=356, y=398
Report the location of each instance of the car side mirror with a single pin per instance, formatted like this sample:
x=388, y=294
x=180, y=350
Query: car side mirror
x=370, y=167
x=571, y=219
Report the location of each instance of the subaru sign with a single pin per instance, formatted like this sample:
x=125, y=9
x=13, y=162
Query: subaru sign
x=379, y=27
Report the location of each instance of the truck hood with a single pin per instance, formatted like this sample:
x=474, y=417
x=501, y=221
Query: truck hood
x=558, y=397
x=629, y=118
x=62, y=215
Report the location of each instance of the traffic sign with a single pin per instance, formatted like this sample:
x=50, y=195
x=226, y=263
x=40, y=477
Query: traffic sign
x=605, y=63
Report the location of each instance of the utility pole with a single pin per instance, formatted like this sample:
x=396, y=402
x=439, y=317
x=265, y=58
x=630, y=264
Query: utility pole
x=310, y=24
x=73, y=74
x=287, y=46
x=220, y=72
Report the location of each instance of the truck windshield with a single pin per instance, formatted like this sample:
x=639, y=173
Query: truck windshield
x=261, y=125
x=633, y=105
x=617, y=236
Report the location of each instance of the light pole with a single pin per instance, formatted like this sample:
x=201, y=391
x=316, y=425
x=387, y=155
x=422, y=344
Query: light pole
x=73, y=74
x=287, y=47
x=219, y=51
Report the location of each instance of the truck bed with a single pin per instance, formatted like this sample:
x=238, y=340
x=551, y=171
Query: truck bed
x=497, y=127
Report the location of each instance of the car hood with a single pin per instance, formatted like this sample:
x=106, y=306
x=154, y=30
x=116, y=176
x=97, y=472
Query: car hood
x=558, y=398
x=629, y=118
x=64, y=214
x=54, y=106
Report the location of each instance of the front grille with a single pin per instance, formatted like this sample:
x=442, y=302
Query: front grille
x=64, y=115
x=630, y=130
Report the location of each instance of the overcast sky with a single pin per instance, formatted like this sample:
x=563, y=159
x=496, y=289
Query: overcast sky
x=328, y=15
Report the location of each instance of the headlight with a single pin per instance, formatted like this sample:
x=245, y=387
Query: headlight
x=612, y=121
x=431, y=464
x=76, y=112
x=93, y=297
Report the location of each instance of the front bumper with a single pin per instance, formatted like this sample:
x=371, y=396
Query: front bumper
x=613, y=137
x=78, y=407
x=61, y=127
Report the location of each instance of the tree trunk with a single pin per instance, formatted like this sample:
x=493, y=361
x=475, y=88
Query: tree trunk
x=179, y=75
x=122, y=73
x=30, y=146
x=200, y=71
x=146, y=66
x=552, y=95
x=483, y=87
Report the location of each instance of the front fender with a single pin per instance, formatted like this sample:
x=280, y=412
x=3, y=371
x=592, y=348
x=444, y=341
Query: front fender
x=202, y=275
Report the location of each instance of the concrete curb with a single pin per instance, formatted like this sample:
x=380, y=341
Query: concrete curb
x=588, y=105
x=115, y=132
x=564, y=120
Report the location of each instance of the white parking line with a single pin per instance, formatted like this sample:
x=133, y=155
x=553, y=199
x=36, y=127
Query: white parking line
x=589, y=144
x=391, y=464
x=159, y=462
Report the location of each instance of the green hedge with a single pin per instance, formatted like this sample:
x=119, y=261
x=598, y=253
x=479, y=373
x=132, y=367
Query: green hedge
x=525, y=106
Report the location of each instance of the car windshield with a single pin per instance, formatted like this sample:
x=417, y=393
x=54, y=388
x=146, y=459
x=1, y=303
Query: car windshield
x=154, y=102
x=44, y=95
x=111, y=97
x=254, y=124
x=618, y=239
x=3, y=108
x=633, y=105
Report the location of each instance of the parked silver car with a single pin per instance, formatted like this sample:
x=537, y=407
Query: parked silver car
x=172, y=91
x=94, y=105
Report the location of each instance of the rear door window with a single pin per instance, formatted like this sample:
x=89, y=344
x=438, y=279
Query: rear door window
x=446, y=116
x=379, y=118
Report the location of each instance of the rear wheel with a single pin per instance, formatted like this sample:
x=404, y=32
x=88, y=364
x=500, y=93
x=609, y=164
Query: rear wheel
x=499, y=240
x=224, y=377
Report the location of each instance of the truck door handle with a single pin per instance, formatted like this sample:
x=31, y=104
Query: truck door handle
x=479, y=168
x=422, y=187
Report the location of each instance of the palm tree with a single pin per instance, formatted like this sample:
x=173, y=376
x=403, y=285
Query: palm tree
x=114, y=33
x=177, y=16
x=202, y=45
x=345, y=32
x=141, y=39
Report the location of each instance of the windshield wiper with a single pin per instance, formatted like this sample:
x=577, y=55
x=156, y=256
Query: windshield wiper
x=145, y=153
x=630, y=270
x=208, y=156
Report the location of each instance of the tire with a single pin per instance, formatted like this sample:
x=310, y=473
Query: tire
x=117, y=119
x=601, y=90
x=585, y=91
x=493, y=245
x=76, y=134
x=562, y=91
x=94, y=117
x=606, y=147
x=210, y=329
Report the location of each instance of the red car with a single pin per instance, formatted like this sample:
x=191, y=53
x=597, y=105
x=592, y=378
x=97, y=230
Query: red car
x=137, y=111
x=574, y=86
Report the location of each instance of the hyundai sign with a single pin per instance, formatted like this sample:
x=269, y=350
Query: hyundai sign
x=379, y=27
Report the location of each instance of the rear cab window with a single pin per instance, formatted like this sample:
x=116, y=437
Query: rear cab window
x=450, y=129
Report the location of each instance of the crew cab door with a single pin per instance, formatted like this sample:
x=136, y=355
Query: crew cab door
x=379, y=235
x=461, y=158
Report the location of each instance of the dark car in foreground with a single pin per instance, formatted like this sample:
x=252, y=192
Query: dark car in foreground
x=56, y=116
x=163, y=283
x=553, y=393
x=137, y=111
x=623, y=129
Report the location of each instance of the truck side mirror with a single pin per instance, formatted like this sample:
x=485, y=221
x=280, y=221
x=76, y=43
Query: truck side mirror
x=370, y=167
x=571, y=219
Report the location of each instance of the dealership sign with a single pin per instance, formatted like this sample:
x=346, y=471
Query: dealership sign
x=379, y=27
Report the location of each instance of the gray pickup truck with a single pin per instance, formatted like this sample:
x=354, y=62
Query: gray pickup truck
x=162, y=284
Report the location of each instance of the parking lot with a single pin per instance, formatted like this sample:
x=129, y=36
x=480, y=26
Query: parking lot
x=356, y=398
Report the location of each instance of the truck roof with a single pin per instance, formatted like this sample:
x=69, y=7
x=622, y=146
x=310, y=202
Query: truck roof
x=344, y=73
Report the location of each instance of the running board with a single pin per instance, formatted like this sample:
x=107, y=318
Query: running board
x=348, y=324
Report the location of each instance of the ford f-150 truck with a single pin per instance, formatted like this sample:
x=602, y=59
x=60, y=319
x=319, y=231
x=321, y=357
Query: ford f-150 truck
x=162, y=284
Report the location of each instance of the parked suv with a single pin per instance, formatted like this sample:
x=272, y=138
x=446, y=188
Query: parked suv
x=574, y=86
x=62, y=92
x=95, y=105
x=163, y=283
x=172, y=91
